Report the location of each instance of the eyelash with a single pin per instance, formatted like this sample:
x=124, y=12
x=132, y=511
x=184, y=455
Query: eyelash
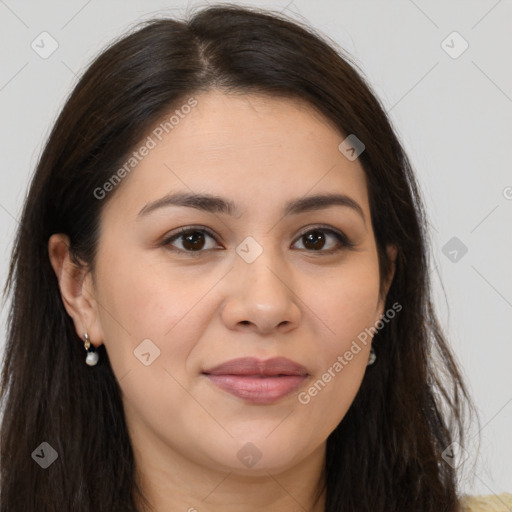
x=341, y=238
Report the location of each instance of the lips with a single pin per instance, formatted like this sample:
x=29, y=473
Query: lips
x=253, y=366
x=257, y=381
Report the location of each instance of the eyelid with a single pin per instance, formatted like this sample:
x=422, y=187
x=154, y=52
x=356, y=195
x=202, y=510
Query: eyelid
x=328, y=229
x=186, y=229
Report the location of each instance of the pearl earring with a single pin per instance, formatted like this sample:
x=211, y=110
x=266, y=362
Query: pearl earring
x=92, y=355
x=372, y=358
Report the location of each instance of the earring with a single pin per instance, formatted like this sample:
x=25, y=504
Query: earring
x=92, y=355
x=373, y=357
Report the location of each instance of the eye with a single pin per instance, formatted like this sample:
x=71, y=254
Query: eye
x=191, y=239
x=315, y=239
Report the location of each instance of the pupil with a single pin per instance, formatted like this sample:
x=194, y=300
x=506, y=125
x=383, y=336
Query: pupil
x=191, y=240
x=316, y=237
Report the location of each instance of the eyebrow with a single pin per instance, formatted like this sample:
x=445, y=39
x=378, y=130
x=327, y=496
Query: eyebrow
x=215, y=204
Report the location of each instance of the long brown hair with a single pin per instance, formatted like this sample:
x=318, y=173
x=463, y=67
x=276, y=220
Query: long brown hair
x=386, y=454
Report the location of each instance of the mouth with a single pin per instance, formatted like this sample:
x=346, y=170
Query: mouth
x=257, y=381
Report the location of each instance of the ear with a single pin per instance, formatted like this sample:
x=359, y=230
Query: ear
x=391, y=251
x=76, y=289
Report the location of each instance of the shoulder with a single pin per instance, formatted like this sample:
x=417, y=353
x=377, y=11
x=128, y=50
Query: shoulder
x=492, y=503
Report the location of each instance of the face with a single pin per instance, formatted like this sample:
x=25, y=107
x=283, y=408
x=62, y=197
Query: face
x=261, y=281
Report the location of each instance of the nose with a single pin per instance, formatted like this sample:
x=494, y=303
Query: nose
x=261, y=296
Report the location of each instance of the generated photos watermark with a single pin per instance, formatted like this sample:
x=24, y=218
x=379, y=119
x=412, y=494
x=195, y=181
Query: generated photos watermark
x=151, y=142
x=305, y=397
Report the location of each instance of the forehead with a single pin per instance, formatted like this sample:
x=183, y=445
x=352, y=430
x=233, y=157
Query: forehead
x=232, y=122
x=254, y=147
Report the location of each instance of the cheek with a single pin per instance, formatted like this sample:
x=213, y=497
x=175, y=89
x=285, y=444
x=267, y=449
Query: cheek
x=347, y=302
x=151, y=323
x=138, y=302
x=347, y=306
x=146, y=298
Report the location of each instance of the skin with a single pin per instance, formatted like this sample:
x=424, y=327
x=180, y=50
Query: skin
x=294, y=300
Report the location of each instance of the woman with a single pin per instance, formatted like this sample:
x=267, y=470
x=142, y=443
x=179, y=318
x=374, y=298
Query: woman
x=224, y=219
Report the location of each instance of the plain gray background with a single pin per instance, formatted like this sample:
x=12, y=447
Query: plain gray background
x=453, y=114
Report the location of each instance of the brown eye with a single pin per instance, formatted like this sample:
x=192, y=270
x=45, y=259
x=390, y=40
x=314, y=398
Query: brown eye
x=192, y=240
x=315, y=240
